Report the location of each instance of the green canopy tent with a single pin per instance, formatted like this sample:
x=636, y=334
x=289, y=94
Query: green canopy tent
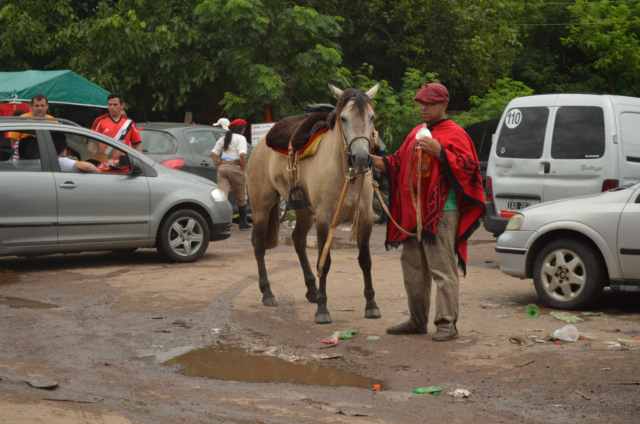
x=61, y=87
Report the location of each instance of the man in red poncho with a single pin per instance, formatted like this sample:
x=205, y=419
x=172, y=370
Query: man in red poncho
x=452, y=203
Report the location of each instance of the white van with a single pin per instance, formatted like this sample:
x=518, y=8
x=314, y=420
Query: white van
x=555, y=146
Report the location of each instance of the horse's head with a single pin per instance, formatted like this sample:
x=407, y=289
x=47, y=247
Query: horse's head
x=355, y=121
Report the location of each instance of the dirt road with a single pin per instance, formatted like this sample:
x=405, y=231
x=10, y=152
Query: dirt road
x=100, y=327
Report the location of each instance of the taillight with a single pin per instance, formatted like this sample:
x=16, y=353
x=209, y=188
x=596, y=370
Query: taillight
x=489, y=188
x=609, y=184
x=177, y=163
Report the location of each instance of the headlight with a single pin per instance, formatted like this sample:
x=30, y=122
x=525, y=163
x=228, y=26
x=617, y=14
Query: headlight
x=218, y=195
x=515, y=222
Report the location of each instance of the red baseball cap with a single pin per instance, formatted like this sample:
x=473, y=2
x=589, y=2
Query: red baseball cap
x=434, y=92
x=238, y=122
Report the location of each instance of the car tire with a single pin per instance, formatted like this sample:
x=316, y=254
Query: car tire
x=568, y=274
x=184, y=236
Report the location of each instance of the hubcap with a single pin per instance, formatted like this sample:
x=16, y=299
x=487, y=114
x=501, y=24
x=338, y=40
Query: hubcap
x=563, y=275
x=185, y=236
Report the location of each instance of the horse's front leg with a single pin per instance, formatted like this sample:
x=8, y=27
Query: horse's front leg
x=364, y=259
x=322, y=313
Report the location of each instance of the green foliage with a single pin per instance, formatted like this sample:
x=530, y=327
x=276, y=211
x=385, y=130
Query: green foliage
x=607, y=32
x=493, y=102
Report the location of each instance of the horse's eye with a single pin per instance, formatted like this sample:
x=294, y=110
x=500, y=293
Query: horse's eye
x=343, y=119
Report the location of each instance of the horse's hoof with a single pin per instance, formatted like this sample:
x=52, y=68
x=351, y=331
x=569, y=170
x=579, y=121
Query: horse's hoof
x=373, y=313
x=312, y=296
x=269, y=301
x=323, y=318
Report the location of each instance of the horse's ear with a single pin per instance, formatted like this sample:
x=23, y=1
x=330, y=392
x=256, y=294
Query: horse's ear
x=373, y=91
x=337, y=93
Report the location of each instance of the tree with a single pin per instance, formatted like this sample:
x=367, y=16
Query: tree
x=607, y=33
x=492, y=104
x=270, y=53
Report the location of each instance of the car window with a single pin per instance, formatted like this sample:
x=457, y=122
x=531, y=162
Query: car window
x=19, y=151
x=158, y=142
x=522, y=133
x=578, y=133
x=203, y=141
x=630, y=135
x=72, y=147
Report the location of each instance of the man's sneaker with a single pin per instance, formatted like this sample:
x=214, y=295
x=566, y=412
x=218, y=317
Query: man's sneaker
x=407, y=327
x=445, y=333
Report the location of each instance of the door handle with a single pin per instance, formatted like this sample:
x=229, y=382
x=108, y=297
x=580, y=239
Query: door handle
x=68, y=184
x=204, y=163
x=547, y=166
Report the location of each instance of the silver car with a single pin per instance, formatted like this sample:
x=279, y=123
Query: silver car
x=64, y=188
x=573, y=248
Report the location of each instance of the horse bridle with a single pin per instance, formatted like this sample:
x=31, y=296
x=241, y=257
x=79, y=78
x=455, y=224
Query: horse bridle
x=348, y=144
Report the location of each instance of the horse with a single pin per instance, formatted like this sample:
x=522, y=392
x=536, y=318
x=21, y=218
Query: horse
x=342, y=155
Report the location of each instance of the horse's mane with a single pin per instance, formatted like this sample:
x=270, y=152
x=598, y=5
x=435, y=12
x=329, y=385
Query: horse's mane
x=360, y=101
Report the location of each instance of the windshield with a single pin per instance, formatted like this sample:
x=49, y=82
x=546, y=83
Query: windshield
x=158, y=142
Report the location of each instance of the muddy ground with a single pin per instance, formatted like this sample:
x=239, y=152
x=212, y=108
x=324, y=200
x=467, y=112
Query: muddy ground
x=100, y=326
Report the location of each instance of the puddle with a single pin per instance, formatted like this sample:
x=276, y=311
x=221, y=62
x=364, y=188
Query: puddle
x=228, y=363
x=18, y=302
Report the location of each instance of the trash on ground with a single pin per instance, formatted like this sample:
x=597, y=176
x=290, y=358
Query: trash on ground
x=428, y=390
x=591, y=314
x=578, y=392
x=373, y=338
x=347, y=334
x=532, y=310
x=460, y=393
x=568, y=333
x=524, y=364
x=566, y=317
x=325, y=356
x=377, y=387
x=488, y=305
x=536, y=339
x=181, y=323
x=333, y=340
x=41, y=382
x=520, y=341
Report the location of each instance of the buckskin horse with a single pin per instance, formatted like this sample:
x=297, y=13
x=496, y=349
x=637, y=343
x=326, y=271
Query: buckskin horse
x=340, y=160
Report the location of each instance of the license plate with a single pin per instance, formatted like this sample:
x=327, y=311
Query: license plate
x=516, y=205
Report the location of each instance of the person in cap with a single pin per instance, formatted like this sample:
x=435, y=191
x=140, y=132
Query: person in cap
x=452, y=203
x=229, y=154
x=222, y=123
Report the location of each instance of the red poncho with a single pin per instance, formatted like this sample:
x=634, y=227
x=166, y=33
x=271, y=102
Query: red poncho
x=458, y=168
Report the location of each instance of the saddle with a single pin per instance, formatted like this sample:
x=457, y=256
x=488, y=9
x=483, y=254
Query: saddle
x=300, y=129
x=300, y=132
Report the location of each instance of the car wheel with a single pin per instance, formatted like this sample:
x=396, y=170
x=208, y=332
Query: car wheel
x=184, y=236
x=568, y=274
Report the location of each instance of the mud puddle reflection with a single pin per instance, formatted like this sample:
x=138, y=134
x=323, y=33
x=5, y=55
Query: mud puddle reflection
x=18, y=302
x=229, y=363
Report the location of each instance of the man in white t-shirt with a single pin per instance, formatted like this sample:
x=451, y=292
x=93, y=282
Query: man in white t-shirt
x=68, y=164
x=229, y=154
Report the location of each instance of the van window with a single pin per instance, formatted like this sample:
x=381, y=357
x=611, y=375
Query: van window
x=630, y=134
x=578, y=133
x=522, y=133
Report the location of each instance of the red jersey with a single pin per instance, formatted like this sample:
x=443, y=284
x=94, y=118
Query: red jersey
x=123, y=130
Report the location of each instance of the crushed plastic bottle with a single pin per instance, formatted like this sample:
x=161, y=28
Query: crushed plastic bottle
x=533, y=311
x=430, y=390
x=568, y=333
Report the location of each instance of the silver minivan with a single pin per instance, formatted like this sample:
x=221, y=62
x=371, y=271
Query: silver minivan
x=555, y=146
x=127, y=201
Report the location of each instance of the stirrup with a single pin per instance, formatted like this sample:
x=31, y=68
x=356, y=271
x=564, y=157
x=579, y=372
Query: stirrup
x=297, y=199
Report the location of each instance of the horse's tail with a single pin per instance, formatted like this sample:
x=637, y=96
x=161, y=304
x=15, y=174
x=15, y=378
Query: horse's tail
x=273, y=229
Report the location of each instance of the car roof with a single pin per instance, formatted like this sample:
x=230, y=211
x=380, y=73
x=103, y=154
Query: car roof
x=171, y=126
x=12, y=120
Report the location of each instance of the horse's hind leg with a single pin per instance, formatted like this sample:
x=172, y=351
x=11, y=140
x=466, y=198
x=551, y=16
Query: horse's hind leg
x=259, y=238
x=322, y=313
x=364, y=259
x=304, y=221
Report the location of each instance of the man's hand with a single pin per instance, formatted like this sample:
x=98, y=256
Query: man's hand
x=378, y=163
x=429, y=145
